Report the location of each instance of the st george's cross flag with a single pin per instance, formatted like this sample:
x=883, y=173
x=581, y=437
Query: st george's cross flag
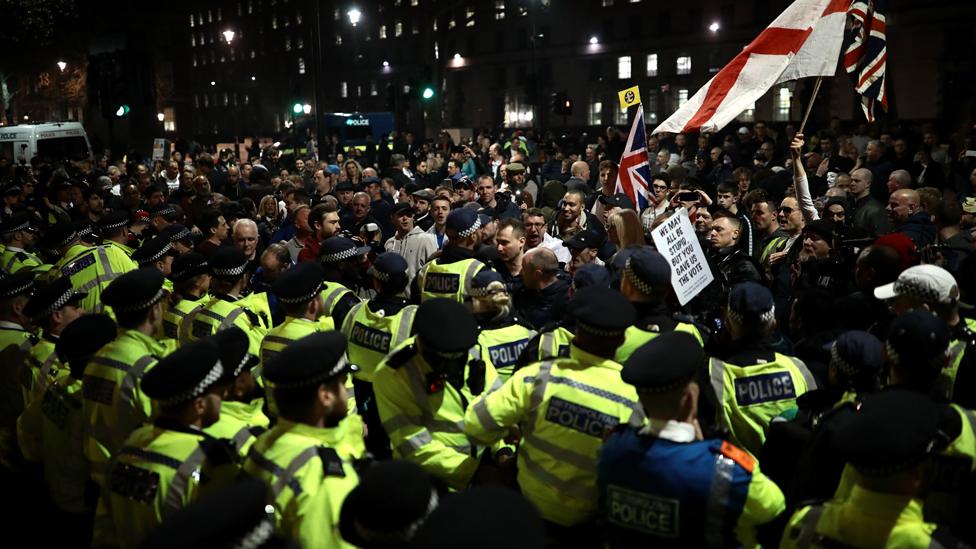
x=634, y=175
x=805, y=40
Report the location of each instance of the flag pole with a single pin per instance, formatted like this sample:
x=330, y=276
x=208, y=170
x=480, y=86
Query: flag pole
x=813, y=97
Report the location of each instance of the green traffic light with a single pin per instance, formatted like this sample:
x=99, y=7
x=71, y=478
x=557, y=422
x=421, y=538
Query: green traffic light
x=122, y=110
x=428, y=92
x=297, y=108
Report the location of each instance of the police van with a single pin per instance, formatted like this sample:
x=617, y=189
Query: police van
x=49, y=141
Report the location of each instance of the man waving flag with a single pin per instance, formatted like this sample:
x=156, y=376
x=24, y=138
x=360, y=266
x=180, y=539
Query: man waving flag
x=805, y=40
x=634, y=175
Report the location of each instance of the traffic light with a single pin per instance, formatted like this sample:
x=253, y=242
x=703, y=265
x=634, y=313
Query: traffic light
x=297, y=108
x=427, y=93
x=122, y=110
x=567, y=107
x=557, y=101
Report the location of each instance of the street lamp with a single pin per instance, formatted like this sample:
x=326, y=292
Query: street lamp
x=714, y=26
x=354, y=16
x=306, y=108
x=160, y=116
x=213, y=83
x=594, y=40
x=386, y=64
x=229, y=35
x=62, y=65
x=457, y=56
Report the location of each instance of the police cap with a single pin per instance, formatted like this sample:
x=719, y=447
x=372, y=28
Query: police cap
x=856, y=352
x=471, y=519
x=152, y=250
x=647, y=270
x=134, y=290
x=116, y=219
x=388, y=267
x=445, y=327
x=481, y=283
x=601, y=311
x=17, y=284
x=463, y=221
x=86, y=231
x=82, y=338
x=390, y=503
x=918, y=340
x=666, y=362
x=591, y=274
x=184, y=374
x=51, y=297
x=235, y=516
x=187, y=266
x=58, y=236
x=312, y=360
x=163, y=209
x=340, y=248
x=17, y=221
x=233, y=344
x=750, y=302
x=892, y=431
x=178, y=233
x=228, y=262
x=299, y=284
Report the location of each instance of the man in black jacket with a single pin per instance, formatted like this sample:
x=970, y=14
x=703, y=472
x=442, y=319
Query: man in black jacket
x=732, y=265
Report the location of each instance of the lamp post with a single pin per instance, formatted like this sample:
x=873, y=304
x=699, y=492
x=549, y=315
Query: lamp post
x=229, y=36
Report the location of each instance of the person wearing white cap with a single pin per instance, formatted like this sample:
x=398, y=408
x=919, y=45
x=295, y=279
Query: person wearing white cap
x=933, y=288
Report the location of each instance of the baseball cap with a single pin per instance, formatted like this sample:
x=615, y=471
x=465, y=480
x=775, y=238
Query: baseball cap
x=929, y=283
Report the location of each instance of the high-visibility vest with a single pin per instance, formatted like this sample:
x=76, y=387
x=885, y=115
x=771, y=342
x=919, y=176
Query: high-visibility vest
x=565, y=407
x=449, y=280
x=635, y=337
x=43, y=368
x=502, y=347
x=114, y=404
x=371, y=336
x=174, y=315
x=309, y=471
x=947, y=378
x=424, y=415
x=241, y=423
x=92, y=269
x=157, y=472
x=15, y=259
x=751, y=396
x=331, y=293
x=218, y=314
x=555, y=343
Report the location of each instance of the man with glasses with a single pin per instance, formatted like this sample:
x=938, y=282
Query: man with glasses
x=536, y=236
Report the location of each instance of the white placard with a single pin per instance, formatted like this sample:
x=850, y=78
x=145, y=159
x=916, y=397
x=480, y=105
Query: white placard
x=159, y=149
x=677, y=242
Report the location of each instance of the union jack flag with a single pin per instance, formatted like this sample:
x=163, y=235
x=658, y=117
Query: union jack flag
x=865, y=52
x=634, y=176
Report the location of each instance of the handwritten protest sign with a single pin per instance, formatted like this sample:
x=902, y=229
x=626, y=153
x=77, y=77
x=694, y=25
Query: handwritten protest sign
x=676, y=241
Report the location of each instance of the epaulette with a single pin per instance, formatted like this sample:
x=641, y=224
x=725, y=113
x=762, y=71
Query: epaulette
x=738, y=455
x=252, y=316
x=401, y=357
x=219, y=451
x=331, y=462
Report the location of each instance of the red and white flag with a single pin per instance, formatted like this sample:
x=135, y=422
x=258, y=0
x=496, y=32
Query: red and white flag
x=805, y=40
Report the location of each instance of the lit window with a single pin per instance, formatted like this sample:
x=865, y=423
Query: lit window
x=254, y=54
x=414, y=28
x=220, y=14
x=191, y=20
x=300, y=43
x=274, y=22
x=469, y=17
x=298, y=18
x=437, y=51
x=335, y=14
x=682, y=97
x=301, y=65
x=623, y=66
x=683, y=65
x=634, y=1
x=652, y=64
x=607, y=3
x=209, y=16
x=413, y=3
x=499, y=9
x=451, y=23
x=226, y=99
x=247, y=99
x=288, y=43
x=650, y=107
x=287, y=21
x=338, y=40
x=194, y=59
x=372, y=88
x=169, y=119
x=523, y=11
x=435, y=24
x=748, y=115
x=206, y=101
x=359, y=90
x=382, y=32
x=783, y=104
x=397, y=28
x=596, y=113
x=343, y=89
x=250, y=6
x=621, y=114
x=196, y=101
x=193, y=40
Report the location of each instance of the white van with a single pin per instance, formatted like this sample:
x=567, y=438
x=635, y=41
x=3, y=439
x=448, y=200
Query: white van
x=50, y=141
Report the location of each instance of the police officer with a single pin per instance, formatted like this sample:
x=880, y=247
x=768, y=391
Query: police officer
x=699, y=492
x=90, y=268
x=15, y=292
x=190, y=275
x=113, y=228
x=754, y=384
x=373, y=328
x=164, y=466
x=114, y=403
x=424, y=387
x=156, y=253
x=307, y=458
x=52, y=308
x=242, y=417
x=180, y=237
x=854, y=370
x=565, y=406
x=646, y=283
x=51, y=431
x=18, y=237
x=343, y=259
x=450, y=274
x=298, y=291
x=503, y=336
x=228, y=272
x=889, y=442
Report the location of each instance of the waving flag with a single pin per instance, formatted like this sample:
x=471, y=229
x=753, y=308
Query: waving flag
x=805, y=40
x=634, y=176
x=866, y=53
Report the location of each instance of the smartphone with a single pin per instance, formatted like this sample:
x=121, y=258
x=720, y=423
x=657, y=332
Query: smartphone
x=971, y=153
x=688, y=196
